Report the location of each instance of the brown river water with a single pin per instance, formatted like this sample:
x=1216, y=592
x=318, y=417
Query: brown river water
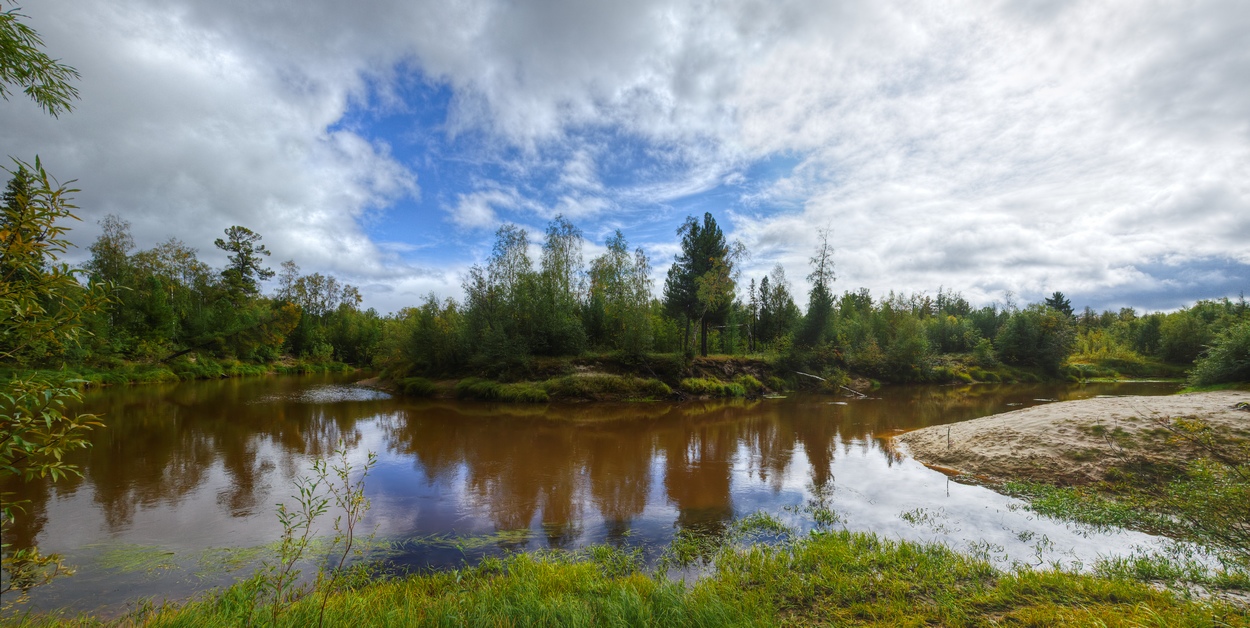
x=179, y=492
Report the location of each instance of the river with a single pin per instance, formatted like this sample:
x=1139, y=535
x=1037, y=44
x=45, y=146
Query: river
x=179, y=491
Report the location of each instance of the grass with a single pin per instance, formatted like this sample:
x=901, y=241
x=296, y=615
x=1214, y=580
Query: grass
x=182, y=369
x=489, y=390
x=603, y=386
x=129, y=558
x=1204, y=501
x=417, y=387
x=833, y=578
x=593, y=387
x=710, y=387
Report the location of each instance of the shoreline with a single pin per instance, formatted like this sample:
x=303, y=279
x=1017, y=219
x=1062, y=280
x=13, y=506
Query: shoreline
x=1074, y=443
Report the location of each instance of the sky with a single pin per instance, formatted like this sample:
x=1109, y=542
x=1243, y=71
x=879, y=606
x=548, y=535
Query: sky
x=1002, y=149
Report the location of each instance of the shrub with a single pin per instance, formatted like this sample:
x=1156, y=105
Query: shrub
x=777, y=384
x=1227, y=360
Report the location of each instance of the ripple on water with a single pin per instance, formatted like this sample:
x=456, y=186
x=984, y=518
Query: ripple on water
x=330, y=393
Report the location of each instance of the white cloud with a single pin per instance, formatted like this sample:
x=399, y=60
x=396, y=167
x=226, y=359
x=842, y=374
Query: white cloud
x=1029, y=146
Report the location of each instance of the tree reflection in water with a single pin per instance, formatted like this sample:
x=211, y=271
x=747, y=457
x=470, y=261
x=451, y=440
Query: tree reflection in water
x=201, y=464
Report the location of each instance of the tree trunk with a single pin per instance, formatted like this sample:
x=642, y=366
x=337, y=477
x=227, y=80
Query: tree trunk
x=703, y=337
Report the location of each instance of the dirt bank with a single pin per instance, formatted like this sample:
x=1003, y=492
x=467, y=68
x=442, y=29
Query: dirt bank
x=1076, y=442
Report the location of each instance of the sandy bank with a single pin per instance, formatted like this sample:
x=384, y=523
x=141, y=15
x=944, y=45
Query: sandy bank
x=1075, y=442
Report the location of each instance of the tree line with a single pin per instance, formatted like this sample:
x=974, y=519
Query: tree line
x=163, y=303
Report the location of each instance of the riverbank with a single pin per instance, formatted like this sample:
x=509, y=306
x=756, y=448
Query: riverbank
x=1077, y=443
x=1176, y=466
x=829, y=578
x=182, y=369
x=612, y=377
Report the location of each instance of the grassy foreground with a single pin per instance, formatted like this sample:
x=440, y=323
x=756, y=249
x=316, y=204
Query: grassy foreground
x=834, y=578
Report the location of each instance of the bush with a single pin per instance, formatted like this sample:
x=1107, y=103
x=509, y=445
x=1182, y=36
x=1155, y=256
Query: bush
x=1227, y=360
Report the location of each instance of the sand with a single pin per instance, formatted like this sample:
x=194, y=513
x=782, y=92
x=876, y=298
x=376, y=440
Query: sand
x=1075, y=442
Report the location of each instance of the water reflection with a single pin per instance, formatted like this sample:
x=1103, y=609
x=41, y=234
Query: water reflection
x=199, y=465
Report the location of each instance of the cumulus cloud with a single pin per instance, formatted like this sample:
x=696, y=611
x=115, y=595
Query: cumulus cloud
x=1031, y=146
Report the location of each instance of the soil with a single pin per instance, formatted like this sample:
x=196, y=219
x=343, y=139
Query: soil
x=1078, y=442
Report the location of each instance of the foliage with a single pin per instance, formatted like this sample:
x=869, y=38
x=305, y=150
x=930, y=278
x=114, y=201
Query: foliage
x=24, y=64
x=1035, y=336
x=244, y=270
x=700, y=283
x=777, y=312
x=276, y=582
x=617, y=312
x=1227, y=360
x=42, y=300
x=349, y=497
x=816, y=325
x=43, y=307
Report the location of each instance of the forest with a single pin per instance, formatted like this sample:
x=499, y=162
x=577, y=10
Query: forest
x=161, y=313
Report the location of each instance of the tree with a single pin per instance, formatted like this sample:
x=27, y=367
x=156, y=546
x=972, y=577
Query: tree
x=43, y=306
x=820, y=299
x=620, y=296
x=244, y=269
x=778, y=312
x=558, y=329
x=1035, y=336
x=1059, y=303
x=24, y=65
x=42, y=301
x=700, y=283
x=286, y=280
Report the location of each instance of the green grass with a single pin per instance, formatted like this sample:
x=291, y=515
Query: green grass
x=709, y=387
x=181, y=369
x=489, y=390
x=416, y=387
x=595, y=387
x=603, y=386
x=837, y=578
